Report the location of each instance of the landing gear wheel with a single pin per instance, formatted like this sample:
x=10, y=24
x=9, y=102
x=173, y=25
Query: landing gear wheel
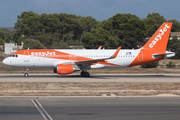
x=26, y=75
x=85, y=74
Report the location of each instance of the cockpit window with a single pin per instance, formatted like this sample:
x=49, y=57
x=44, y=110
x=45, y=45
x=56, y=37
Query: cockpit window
x=13, y=56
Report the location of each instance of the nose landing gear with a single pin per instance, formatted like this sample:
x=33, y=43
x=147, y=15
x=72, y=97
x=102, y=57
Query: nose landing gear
x=26, y=73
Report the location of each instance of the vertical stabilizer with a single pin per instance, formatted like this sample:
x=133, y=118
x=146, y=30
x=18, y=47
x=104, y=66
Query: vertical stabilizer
x=160, y=38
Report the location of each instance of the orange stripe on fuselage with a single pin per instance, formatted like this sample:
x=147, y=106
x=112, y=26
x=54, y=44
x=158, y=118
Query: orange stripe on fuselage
x=50, y=53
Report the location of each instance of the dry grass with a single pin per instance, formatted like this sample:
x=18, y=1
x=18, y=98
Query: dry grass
x=88, y=89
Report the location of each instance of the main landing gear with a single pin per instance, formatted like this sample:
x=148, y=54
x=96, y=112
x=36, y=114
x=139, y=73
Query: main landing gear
x=85, y=74
x=26, y=73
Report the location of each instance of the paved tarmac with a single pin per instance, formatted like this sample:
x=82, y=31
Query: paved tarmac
x=172, y=78
x=90, y=108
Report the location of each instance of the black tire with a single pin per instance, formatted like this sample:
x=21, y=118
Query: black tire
x=26, y=75
x=86, y=74
x=82, y=74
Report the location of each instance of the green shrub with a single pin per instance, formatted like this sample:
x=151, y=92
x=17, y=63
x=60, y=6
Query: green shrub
x=170, y=65
x=151, y=65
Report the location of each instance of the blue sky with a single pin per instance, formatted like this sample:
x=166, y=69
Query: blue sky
x=98, y=9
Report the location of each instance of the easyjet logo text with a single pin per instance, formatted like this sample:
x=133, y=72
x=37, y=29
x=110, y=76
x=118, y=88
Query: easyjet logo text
x=159, y=36
x=43, y=53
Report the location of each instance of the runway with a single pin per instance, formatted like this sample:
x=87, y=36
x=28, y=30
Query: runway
x=88, y=108
x=170, y=78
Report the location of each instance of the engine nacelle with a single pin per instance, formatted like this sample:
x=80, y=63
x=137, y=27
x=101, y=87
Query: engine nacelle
x=64, y=69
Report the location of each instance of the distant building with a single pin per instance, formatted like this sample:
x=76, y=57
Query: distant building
x=12, y=47
x=77, y=47
x=175, y=34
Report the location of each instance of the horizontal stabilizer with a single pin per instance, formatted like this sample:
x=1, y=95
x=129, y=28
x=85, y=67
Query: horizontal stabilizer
x=167, y=54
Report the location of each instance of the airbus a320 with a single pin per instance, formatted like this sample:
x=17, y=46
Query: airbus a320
x=67, y=61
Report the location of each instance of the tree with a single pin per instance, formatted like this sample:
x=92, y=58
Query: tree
x=3, y=38
x=128, y=28
x=153, y=22
x=48, y=28
x=175, y=26
x=8, y=34
x=33, y=44
x=125, y=30
x=88, y=23
x=99, y=36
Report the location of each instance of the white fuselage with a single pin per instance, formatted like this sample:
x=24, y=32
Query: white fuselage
x=124, y=58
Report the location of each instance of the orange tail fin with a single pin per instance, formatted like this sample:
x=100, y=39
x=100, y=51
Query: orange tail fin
x=160, y=38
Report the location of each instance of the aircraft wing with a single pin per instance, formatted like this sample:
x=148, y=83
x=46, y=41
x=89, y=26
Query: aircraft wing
x=85, y=63
x=98, y=60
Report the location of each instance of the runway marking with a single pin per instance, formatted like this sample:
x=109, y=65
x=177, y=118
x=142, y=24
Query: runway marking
x=40, y=108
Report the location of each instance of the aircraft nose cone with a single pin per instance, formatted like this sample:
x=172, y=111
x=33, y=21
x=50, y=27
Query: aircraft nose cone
x=5, y=62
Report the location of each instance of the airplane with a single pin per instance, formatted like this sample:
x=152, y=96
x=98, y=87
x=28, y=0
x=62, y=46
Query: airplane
x=67, y=61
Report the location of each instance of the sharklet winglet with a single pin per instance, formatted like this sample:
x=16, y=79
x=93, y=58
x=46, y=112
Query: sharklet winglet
x=116, y=53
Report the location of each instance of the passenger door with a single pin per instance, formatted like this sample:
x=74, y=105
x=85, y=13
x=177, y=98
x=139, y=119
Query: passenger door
x=26, y=56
